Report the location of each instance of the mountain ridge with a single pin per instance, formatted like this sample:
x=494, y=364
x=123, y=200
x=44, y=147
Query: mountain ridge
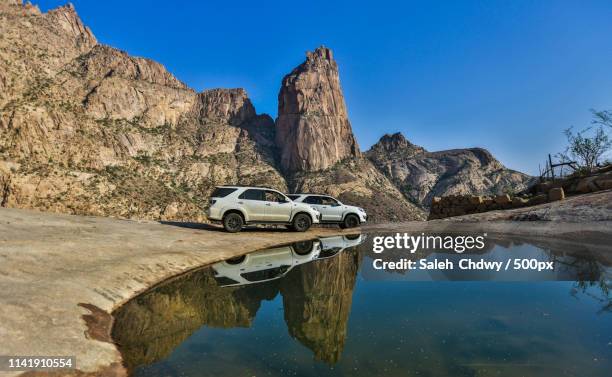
x=422, y=175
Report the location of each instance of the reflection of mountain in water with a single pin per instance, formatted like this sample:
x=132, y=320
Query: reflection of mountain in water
x=149, y=327
x=317, y=301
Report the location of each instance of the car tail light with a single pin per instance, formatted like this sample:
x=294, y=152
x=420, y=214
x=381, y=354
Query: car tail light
x=212, y=201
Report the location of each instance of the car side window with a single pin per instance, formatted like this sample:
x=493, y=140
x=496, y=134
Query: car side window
x=252, y=194
x=222, y=192
x=327, y=201
x=313, y=200
x=273, y=196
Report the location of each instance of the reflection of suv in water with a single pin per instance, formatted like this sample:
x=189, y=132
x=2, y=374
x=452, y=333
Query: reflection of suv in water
x=331, y=246
x=332, y=210
x=237, y=206
x=265, y=265
x=275, y=263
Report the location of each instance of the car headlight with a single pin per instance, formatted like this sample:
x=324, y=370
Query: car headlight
x=361, y=210
x=314, y=208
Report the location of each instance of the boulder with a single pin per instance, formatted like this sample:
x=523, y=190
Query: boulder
x=518, y=202
x=538, y=199
x=503, y=199
x=604, y=181
x=555, y=194
x=586, y=185
x=476, y=200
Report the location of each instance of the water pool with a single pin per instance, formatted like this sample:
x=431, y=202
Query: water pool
x=320, y=308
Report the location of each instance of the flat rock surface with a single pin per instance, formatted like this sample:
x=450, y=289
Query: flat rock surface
x=54, y=269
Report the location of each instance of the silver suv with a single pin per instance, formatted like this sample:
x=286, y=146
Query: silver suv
x=237, y=206
x=332, y=210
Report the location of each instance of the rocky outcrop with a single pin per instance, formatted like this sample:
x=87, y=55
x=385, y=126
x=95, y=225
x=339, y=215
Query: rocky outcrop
x=579, y=183
x=51, y=40
x=423, y=175
x=229, y=106
x=313, y=131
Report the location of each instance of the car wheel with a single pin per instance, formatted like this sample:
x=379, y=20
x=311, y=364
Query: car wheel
x=303, y=247
x=232, y=222
x=236, y=260
x=301, y=222
x=351, y=221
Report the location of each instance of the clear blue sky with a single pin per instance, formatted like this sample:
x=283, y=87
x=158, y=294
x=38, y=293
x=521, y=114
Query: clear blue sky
x=505, y=75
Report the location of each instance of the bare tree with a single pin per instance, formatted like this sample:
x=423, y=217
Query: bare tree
x=586, y=146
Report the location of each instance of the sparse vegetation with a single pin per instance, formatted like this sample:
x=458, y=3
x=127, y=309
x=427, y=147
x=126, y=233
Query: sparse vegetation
x=589, y=146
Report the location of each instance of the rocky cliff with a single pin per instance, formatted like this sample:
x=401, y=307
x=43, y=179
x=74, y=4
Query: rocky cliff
x=313, y=131
x=422, y=175
x=88, y=129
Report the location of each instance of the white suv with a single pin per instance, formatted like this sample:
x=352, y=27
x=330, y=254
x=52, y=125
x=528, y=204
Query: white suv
x=332, y=210
x=237, y=206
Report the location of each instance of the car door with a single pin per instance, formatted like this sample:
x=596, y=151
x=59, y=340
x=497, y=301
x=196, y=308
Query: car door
x=332, y=208
x=278, y=207
x=253, y=201
x=317, y=203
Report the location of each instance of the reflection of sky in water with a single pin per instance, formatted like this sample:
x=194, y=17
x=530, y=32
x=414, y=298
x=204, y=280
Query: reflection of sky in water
x=383, y=326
